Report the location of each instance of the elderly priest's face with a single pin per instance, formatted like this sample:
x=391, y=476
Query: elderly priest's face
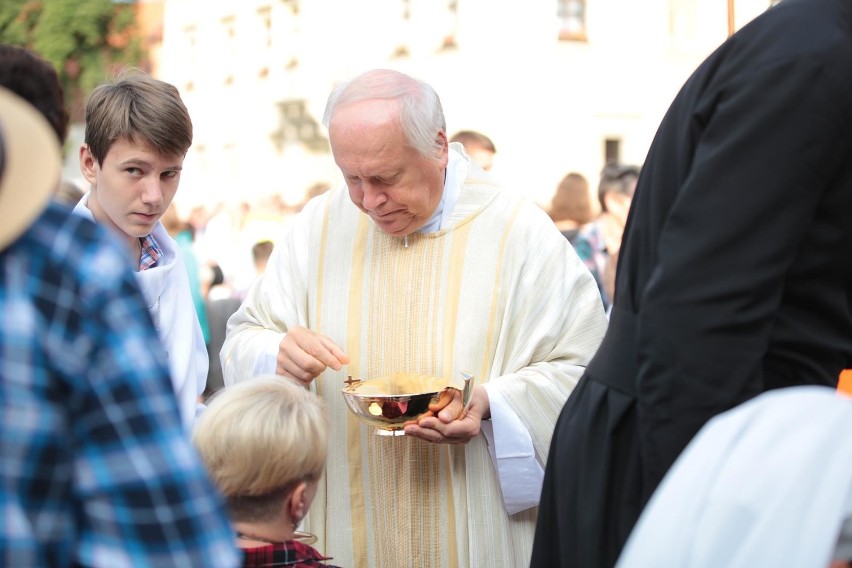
x=387, y=179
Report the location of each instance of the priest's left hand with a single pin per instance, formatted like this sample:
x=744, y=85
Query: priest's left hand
x=444, y=423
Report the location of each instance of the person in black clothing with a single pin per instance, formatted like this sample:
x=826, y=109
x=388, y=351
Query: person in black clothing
x=733, y=276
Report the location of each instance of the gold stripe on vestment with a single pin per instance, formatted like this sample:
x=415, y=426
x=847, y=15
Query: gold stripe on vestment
x=406, y=487
x=493, y=314
x=353, y=426
x=460, y=238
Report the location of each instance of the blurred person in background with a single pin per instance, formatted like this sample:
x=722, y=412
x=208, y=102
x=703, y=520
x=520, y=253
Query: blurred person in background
x=97, y=468
x=220, y=307
x=314, y=190
x=35, y=80
x=260, y=253
x=571, y=206
x=69, y=193
x=197, y=219
x=182, y=232
x=226, y=245
x=137, y=134
x=219, y=310
x=478, y=146
x=599, y=240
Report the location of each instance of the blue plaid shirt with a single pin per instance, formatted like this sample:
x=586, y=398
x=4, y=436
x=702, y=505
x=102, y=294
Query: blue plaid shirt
x=95, y=467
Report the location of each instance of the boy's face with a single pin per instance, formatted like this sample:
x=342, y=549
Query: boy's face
x=133, y=186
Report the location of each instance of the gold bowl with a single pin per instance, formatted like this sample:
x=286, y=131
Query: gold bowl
x=390, y=402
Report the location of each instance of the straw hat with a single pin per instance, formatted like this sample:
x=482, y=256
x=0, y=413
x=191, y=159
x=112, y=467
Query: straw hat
x=30, y=165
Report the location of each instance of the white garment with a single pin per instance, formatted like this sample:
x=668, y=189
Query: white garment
x=497, y=292
x=768, y=483
x=521, y=475
x=169, y=300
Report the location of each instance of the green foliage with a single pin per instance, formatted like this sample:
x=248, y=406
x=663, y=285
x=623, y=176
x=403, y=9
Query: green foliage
x=86, y=40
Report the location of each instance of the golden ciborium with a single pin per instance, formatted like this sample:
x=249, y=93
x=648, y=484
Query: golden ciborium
x=388, y=403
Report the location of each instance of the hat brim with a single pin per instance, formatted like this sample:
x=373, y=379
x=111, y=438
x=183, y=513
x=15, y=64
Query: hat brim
x=31, y=166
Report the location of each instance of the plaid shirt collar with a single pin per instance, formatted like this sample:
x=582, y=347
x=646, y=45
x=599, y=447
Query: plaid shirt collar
x=151, y=253
x=292, y=554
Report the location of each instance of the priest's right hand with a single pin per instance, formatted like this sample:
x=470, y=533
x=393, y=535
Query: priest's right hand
x=303, y=354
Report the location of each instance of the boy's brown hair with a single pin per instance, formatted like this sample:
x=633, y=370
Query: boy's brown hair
x=138, y=108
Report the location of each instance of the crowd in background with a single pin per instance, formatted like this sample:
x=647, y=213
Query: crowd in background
x=226, y=248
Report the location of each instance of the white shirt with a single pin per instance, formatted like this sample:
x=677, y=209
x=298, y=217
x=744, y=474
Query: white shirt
x=169, y=300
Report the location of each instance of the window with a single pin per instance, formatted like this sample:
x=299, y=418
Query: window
x=297, y=126
x=452, y=24
x=263, y=41
x=401, y=49
x=229, y=48
x=612, y=151
x=572, y=19
x=265, y=15
x=190, y=55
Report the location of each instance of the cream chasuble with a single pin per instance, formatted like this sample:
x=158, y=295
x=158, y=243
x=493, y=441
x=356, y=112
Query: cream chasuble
x=498, y=293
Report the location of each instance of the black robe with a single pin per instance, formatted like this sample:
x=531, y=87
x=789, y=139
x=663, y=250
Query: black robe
x=734, y=277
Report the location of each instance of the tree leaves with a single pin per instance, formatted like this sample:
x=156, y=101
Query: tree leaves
x=87, y=41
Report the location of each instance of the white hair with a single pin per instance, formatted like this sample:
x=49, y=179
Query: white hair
x=420, y=111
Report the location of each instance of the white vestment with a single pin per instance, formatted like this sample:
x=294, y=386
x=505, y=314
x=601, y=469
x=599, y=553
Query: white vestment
x=497, y=292
x=768, y=483
x=169, y=300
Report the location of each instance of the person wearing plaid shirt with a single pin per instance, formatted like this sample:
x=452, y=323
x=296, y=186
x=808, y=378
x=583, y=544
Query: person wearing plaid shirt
x=97, y=468
x=265, y=445
x=292, y=553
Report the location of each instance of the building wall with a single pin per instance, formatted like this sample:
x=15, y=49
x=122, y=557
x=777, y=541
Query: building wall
x=149, y=20
x=549, y=105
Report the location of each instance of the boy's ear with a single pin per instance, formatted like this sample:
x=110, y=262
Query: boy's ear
x=88, y=165
x=297, y=503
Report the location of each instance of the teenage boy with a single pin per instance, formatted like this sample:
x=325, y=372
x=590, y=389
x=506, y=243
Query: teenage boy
x=97, y=469
x=137, y=134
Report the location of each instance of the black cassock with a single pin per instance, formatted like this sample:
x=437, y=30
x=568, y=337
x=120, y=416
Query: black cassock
x=734, y=277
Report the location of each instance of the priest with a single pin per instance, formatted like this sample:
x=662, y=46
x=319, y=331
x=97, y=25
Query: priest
x=422, y=263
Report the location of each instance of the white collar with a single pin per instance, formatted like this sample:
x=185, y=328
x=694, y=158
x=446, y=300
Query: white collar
x=454, y=175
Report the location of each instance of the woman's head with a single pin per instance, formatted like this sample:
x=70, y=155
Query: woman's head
x=572, y=200
x=259, y=440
